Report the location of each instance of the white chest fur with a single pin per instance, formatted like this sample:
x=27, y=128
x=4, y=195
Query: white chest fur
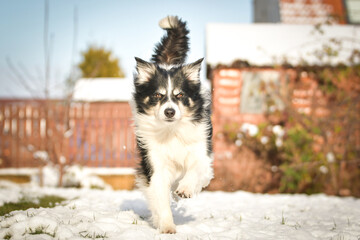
x=173, y=145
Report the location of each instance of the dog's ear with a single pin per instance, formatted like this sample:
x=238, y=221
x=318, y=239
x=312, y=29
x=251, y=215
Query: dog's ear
x=144, y=69
x=192, y=70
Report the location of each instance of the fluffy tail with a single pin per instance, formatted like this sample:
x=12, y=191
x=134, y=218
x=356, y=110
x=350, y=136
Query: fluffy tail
x=173, y=47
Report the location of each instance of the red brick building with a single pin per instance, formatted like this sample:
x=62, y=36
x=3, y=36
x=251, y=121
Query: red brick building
x=248, y=57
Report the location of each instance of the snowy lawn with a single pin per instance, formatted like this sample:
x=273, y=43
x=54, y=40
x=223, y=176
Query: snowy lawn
x=107, y=214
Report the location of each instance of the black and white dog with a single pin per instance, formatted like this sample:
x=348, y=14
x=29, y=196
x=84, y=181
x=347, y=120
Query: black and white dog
x=172, y=124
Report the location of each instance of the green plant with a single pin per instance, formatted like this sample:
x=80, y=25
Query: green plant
x=7, y=236
x=283, y=219
x=93, y=235
x=319, y=150
x=99, y=62
x=24, y=203
x=40, y=230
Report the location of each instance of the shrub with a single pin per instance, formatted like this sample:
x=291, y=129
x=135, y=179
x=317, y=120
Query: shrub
x=317, y=150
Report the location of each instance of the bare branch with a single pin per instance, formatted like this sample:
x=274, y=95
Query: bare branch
x=46, y=48
x=20, y=78
x=34, y=80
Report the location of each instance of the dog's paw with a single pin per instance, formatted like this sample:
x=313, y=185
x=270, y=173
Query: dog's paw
x=184, y=191
x=183, y=194
x=168, y=229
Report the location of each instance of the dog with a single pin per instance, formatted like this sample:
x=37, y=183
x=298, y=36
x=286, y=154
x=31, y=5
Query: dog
x=172, y=124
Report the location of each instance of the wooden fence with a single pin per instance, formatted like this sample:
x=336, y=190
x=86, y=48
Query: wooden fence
x=91, y=134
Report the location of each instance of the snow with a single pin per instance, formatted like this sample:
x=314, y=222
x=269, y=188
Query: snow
x=41, y=155
x=249, y=128
x=109, y=214
x=19, y=171
x=103, y=89
x=110, y=171
x=278, y=131
x=269, y=44
x=87, y=170
x=75, y=175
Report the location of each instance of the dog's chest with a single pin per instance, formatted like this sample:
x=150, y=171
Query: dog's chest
x=174, y=150
x=179, y=144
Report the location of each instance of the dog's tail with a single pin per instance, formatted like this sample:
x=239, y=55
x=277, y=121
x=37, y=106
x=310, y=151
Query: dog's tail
x=173, y=47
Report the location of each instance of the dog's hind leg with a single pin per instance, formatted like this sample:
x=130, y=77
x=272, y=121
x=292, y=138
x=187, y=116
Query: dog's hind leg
x=158, y=194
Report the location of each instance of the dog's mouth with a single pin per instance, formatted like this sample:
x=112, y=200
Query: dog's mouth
x=169, y=120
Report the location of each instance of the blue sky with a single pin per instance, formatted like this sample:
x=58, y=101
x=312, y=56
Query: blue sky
x=127, y=28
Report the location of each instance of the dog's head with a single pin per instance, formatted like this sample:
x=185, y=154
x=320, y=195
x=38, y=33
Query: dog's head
x=169, y=93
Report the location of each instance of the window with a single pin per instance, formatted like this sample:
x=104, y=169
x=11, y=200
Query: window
x=353, y=11
x=260, y=92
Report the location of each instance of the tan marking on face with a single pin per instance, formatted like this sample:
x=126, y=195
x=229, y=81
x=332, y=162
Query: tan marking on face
x=176, y=91
x=162, y=91
x=146, y=100
x=191, y=102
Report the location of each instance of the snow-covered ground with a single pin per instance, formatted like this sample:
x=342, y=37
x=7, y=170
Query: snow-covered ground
x=107, y=214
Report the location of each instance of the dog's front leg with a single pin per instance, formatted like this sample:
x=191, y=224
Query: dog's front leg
x=198, y=174
x=158, y=194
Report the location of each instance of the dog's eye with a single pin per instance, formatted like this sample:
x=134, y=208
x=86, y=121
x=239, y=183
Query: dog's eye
x=180, y=95
x=158, y=95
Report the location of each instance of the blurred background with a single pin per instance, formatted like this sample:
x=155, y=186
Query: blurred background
x=284, y=77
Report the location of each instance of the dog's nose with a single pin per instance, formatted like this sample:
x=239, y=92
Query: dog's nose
x=169, y=112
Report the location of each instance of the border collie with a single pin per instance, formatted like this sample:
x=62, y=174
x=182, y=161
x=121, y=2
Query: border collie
x=172, y=124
